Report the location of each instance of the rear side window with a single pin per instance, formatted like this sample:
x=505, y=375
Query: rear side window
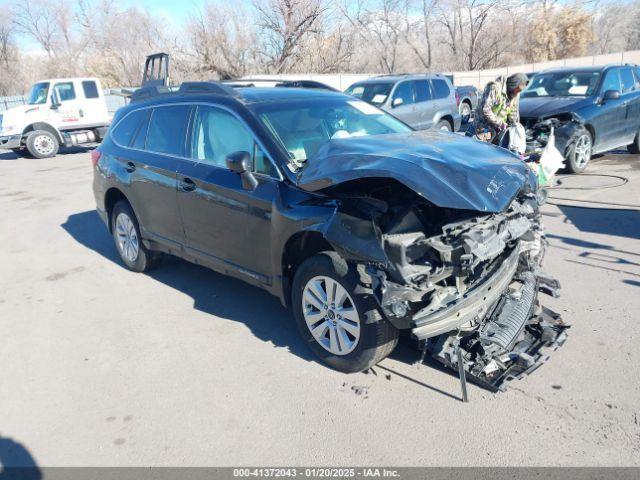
x=90, y=89
x=627, y=80
x=423, y=90
x=440, y=88
x=127, y=127
x=405, y=92
x=167, y=129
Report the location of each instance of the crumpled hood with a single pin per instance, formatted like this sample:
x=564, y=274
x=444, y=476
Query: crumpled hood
x=538, y=107
x=448, y=170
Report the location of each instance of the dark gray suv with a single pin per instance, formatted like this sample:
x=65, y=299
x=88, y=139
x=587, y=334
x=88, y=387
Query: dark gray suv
x=422, y=101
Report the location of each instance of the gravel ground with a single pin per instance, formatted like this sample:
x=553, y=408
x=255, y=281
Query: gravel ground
x=183, y=366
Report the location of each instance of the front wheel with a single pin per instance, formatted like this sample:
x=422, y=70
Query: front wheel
x=465, y=112
x=579, y=152
x=337, y=315
x=42, y=144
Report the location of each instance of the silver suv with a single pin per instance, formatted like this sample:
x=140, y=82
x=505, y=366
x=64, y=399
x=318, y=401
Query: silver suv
x=421, y=101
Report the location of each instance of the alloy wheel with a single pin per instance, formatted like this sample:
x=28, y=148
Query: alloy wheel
x=127, y=237
x=582, y=150
x=331, y=315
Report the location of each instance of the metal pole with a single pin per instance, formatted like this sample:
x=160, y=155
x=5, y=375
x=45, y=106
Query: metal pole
x=461, y=373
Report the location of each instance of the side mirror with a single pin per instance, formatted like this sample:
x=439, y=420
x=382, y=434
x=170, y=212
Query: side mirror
x=611, y=95
x=397, y=102
x=55, y=99
x=240, y=162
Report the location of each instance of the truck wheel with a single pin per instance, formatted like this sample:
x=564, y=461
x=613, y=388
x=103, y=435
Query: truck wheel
x=338, y=316
x=579, y=152
x=635, y=146
x=42, y=144
x=126, y=235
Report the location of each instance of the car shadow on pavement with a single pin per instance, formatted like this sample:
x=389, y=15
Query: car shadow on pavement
x=16, y=462
x=212, y=293
x=606, y=221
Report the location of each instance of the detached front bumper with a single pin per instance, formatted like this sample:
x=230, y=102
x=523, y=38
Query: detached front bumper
x=11, y=141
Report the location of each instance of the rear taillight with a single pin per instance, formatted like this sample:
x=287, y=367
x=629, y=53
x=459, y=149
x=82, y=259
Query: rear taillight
x=457, y=99
x=95, y=156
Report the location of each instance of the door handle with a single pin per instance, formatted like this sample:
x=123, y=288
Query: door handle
x=130, y=167
x=187, y=185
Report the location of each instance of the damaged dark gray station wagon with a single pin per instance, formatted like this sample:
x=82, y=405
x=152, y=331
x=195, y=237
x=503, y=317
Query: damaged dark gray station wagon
x=361, y=225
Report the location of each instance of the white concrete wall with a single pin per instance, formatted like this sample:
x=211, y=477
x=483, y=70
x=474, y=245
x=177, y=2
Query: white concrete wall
x=477, y=78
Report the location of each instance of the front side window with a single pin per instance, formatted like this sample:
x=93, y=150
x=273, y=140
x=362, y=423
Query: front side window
x=65, y=91
x=302, y=127
x=440, y=88
x=216, y=134
x=375, y=93
x=167, y=129
x=611, y=81
x=38, y=94
x=403, y=94
x=90, y=89
x=562, y=84
x=627, y=80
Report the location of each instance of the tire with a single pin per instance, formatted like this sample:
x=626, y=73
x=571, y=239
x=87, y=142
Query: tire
x=124, y=227
x=444, y=125
x=363, y=342
x=465, y=111
x=635, y=146
x=576, y=157
x=42, y=144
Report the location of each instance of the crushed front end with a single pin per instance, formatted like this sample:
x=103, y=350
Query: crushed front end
x=463, y=281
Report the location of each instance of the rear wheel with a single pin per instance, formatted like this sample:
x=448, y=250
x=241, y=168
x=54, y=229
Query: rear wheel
x=579, y=152
x=42, y=144
x=126, y=235
x=635, y=146
x=465, y=111
x=337, y=314
x=444, y=125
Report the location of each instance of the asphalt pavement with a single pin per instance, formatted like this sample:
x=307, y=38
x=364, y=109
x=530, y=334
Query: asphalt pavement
x=183, y=366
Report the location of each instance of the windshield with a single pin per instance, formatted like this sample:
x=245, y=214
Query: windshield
x=38, y=93
x=562, y=84
x=303, y=127
x=375, y=93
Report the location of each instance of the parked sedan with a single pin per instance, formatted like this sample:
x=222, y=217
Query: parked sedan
x=594, y=109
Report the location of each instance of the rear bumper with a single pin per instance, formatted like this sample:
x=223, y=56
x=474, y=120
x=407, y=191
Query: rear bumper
x=11, y=141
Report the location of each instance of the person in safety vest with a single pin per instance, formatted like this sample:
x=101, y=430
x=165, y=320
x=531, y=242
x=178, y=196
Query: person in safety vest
x=499, y=107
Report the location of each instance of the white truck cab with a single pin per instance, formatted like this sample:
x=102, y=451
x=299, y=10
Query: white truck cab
x=59, y=111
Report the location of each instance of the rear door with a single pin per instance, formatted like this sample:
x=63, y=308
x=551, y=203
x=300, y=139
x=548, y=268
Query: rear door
x=425, y=104
x=225, y=225
x=403, y=103
x=609, y=121
x=148, y=166
x=631, y=98
x=443, y=101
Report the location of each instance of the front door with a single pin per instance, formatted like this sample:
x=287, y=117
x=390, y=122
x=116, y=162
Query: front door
x=67, y=115
x=609, y=121
x=403, y=104
x=225, y=225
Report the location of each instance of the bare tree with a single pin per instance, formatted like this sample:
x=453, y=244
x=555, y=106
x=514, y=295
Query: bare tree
x=10, y=80
x=418, y=34
x=285, y=25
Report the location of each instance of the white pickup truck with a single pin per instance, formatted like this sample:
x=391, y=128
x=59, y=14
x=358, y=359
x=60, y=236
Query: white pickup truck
x=59, y=112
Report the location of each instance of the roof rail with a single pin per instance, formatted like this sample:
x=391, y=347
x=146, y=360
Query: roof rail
x=207, y=87
x=186, y=88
